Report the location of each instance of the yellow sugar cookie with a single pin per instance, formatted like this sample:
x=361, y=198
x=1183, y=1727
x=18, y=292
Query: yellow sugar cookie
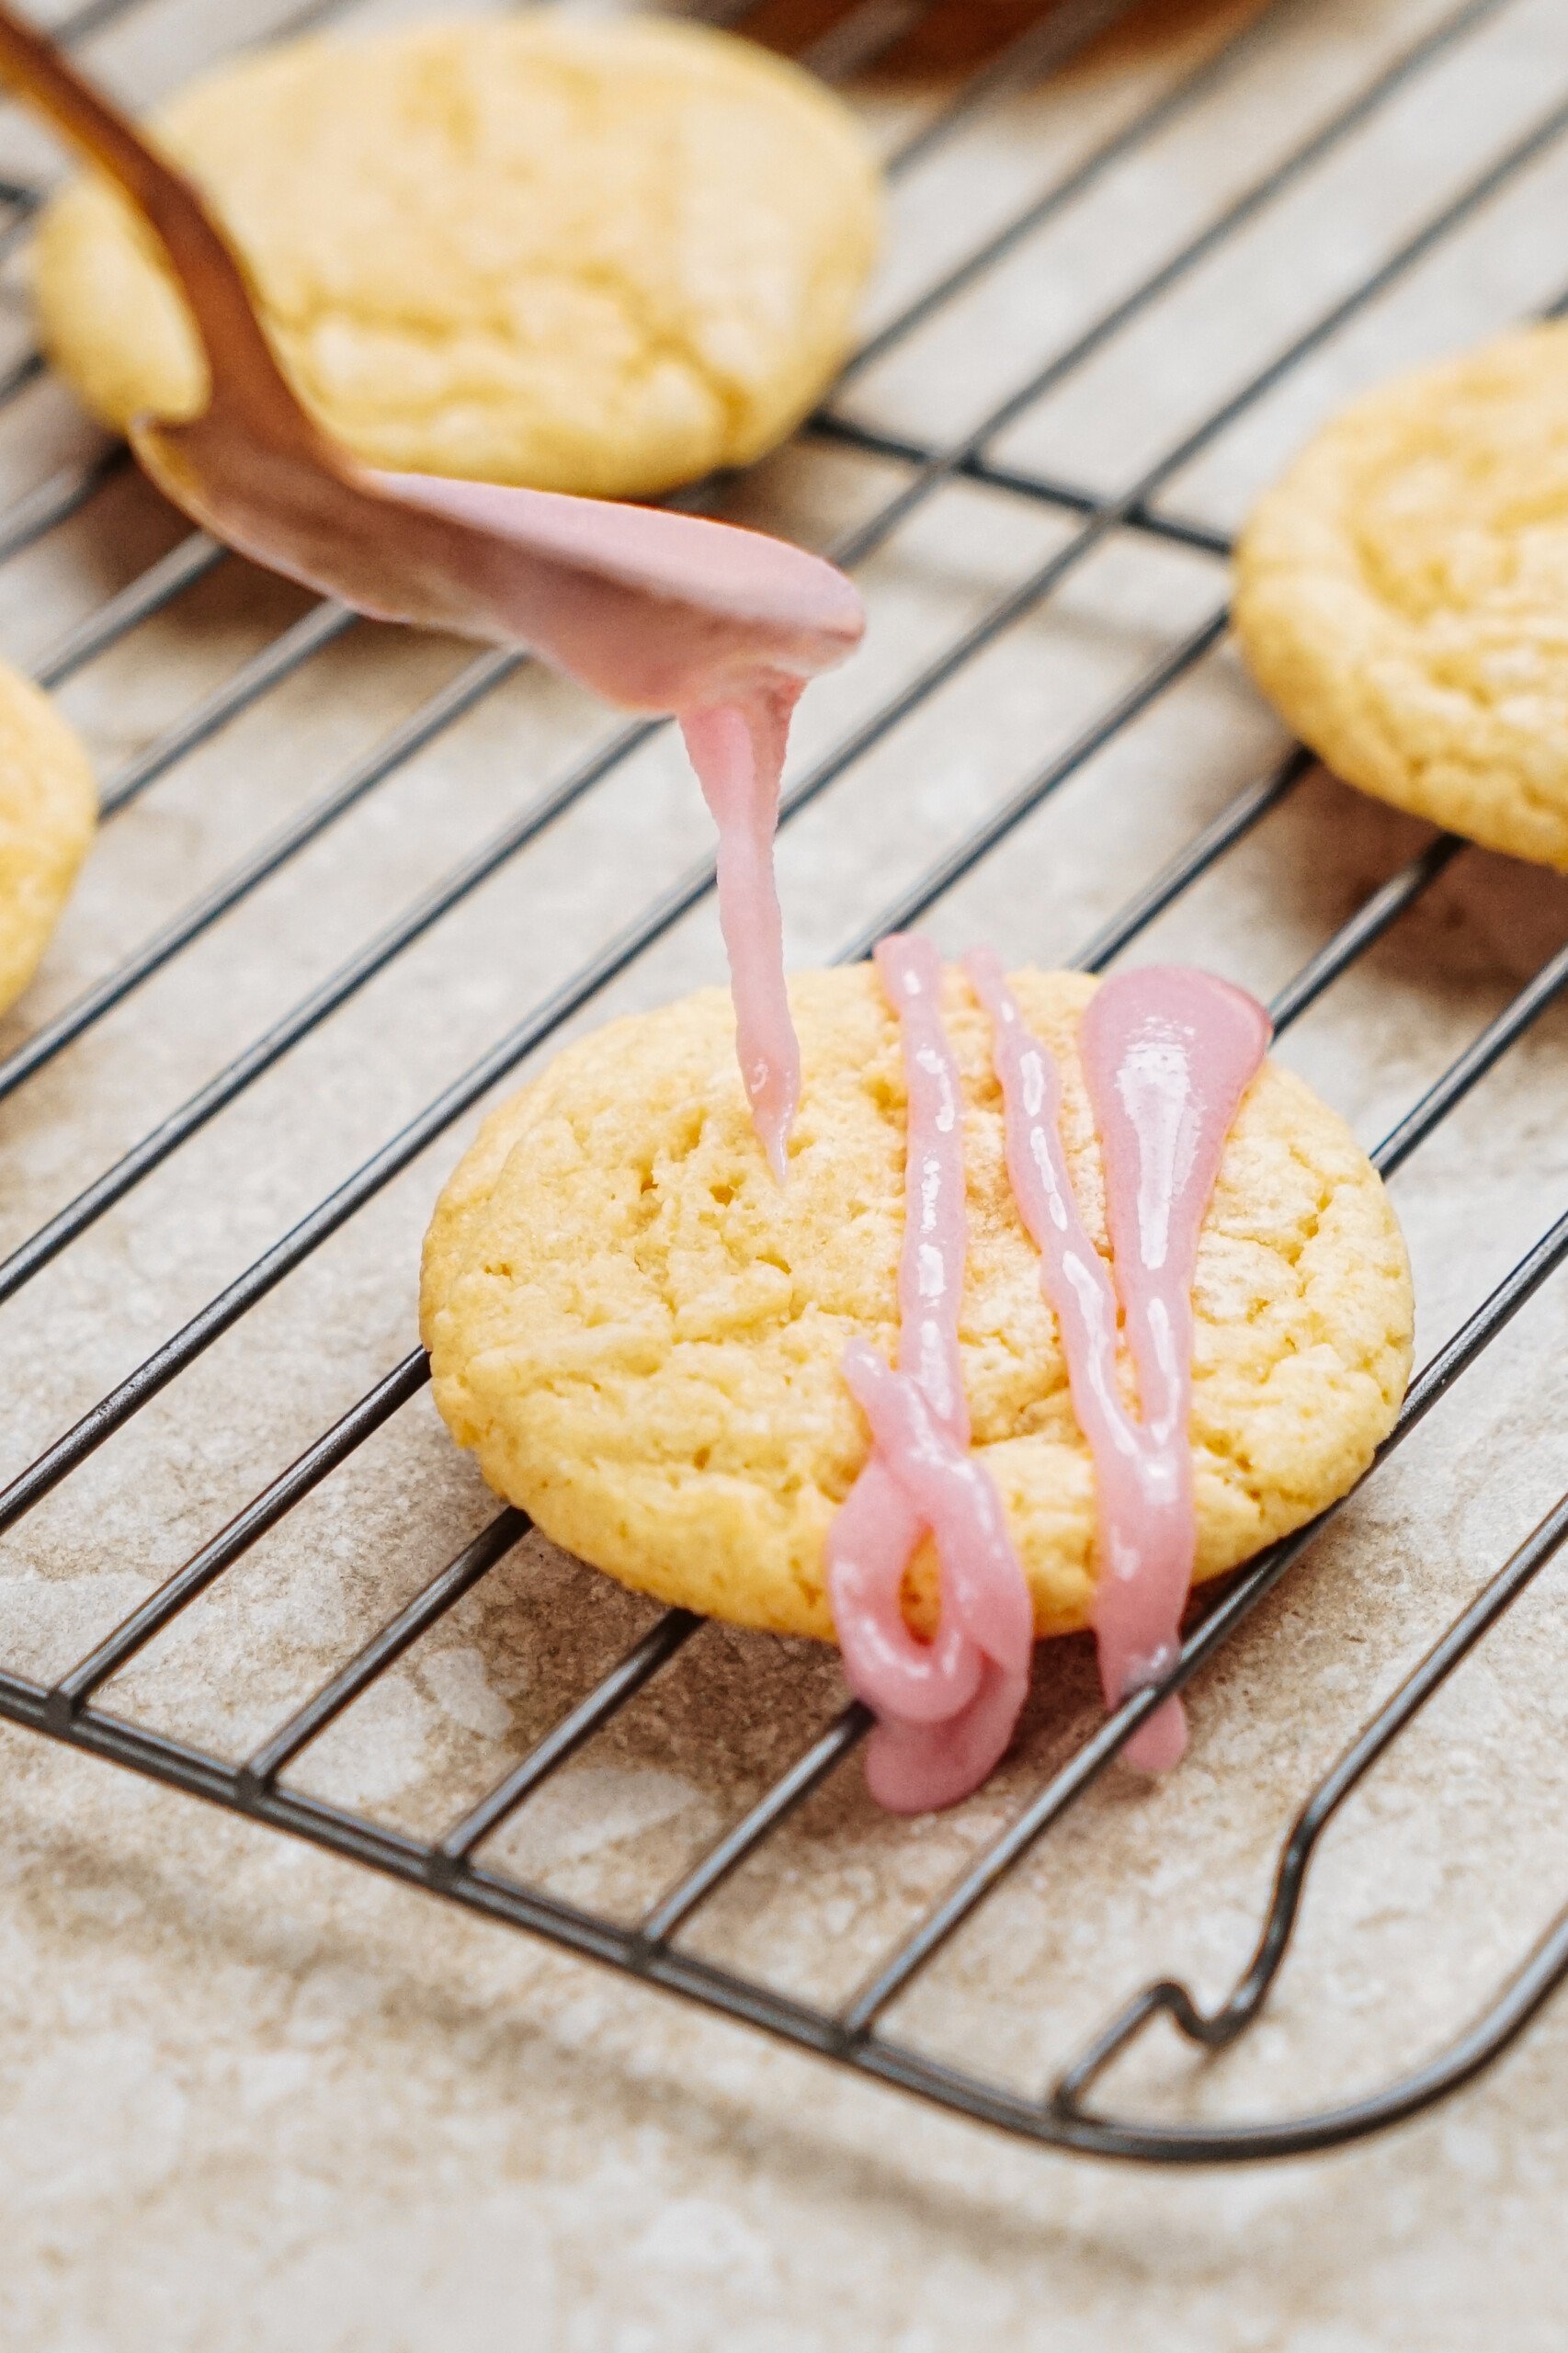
x=603, y=258
x=47, y=808
x=638, y=1333
x=1402, y=595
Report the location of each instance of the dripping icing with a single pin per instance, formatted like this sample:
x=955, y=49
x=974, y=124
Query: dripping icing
x=737, y=749
x=1167, y=1053
x=945, y=1709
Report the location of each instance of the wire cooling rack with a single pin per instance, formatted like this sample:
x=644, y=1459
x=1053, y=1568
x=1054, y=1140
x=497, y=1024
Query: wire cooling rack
x=450, y=1866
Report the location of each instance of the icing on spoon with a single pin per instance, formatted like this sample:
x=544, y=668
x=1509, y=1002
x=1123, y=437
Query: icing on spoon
x=1168, y=1053
x=657, y=611
x=945, y=1709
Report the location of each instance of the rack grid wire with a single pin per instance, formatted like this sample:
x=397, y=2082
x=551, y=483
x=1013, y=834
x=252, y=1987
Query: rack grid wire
x=449, y=1867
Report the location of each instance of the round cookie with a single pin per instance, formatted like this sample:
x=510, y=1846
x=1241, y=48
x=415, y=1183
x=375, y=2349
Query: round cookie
x=603, y=258
x=47, y=808
x=639, y=1334
x=1402, y=595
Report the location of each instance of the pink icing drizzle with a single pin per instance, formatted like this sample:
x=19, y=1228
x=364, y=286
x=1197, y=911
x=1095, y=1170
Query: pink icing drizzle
x=946, y=1707
x=737, y=749
x=1168, y=1053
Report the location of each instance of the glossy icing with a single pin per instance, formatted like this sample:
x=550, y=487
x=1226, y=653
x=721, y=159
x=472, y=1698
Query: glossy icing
x=1167, y=1053
x=738, y=749
x=945, y=1709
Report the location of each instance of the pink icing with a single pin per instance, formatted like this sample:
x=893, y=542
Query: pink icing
x=738, y=750
x=945, y=1709
x=1168, y=1053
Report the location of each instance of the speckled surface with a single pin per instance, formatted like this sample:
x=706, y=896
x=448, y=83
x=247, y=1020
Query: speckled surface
x=251, y=2097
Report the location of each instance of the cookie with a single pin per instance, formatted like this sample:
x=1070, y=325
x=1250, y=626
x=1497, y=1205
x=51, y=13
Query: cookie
x=48, y=809
x=603, y=258
x=640, y=1334
x=1402, y=595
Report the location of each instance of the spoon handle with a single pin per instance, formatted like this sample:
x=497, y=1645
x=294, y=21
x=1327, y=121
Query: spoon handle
x=245, y=373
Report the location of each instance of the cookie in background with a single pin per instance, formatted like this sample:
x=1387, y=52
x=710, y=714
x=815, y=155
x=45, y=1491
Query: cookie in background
x=594, y=258
x=1402, y=594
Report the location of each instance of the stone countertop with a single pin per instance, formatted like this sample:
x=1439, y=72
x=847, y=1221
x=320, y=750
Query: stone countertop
x=253, y=2097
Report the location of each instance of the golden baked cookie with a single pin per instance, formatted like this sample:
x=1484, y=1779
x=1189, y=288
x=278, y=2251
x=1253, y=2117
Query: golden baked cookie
x=48, y=807
x=603, y=258
x=1402, y=595
x=639, y=1334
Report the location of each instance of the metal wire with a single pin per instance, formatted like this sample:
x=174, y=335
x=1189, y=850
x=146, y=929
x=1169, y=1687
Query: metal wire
x=453, y=1865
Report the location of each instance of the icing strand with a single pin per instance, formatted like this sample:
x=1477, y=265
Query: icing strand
x=935, y=1230
x=947, y=1708
x=738, y=749
x=1168, y=1053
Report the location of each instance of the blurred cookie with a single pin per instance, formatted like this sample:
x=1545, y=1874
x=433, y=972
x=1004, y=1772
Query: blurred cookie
x=603, y=258
x=640, y=1334
x=48, y=809
x=1402, y=595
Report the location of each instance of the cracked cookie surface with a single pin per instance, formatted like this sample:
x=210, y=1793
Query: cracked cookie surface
x=48, y=812
x=1402, y=594
x=603, y=258
x=639, y=1334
